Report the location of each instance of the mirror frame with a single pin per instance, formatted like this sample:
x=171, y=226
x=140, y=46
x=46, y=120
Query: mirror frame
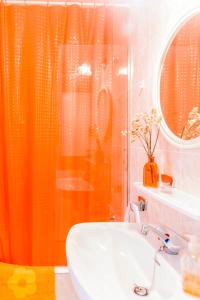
x=168, y=134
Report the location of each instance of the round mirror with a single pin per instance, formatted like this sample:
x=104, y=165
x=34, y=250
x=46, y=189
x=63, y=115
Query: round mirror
x=180, y=83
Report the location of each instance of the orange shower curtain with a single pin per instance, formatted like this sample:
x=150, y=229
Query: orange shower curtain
x=59, y=130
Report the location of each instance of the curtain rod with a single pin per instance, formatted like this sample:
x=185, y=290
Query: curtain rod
x=61, y=3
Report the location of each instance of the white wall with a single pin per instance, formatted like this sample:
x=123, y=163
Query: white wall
x=152, y=22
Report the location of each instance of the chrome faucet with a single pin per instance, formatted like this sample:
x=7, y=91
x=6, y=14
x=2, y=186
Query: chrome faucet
x=169, y=246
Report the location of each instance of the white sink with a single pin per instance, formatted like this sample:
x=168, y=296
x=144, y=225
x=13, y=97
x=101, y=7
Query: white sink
x=106, y=260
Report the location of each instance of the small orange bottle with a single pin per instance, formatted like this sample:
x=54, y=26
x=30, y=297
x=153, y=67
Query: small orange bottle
x=190, y=267
x=151, y=173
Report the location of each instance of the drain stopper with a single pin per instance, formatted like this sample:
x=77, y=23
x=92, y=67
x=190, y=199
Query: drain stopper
x=140, y=290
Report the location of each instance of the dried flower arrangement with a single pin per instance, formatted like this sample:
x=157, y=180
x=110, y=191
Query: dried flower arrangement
x=191, y=129
x=142, y=128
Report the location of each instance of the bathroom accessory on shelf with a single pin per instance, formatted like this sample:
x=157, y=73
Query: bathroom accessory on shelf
x=166, y=183
x=170, y=243
x=167, y=180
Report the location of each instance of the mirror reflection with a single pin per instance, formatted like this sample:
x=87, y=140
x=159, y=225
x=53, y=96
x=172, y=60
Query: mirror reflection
x=180, y=82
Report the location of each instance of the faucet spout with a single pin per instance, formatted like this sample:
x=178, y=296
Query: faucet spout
x=168, y=246
x=146, y=228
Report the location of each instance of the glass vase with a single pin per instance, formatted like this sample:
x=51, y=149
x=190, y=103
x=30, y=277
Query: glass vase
x=151, y=173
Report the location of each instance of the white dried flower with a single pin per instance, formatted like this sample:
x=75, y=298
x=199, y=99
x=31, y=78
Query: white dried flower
x=142, y=128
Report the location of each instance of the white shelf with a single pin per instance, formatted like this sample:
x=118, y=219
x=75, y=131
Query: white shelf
x=184, y=203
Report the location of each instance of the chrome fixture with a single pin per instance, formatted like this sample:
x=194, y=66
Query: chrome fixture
x=136, y=207
x=142, y=203
x=168, y=244
x=140, y=290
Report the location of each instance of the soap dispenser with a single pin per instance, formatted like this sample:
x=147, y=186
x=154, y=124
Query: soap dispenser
x=190, y=267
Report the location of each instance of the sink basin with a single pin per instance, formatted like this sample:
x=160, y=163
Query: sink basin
x=107, y=259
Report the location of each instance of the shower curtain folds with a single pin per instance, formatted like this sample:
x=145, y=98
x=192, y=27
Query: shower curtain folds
x=62, y=157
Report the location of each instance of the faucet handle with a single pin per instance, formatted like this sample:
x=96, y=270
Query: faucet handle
x=164, y=229
x=172, y=245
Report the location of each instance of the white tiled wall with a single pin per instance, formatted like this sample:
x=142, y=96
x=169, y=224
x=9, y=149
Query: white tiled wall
x=152, y=22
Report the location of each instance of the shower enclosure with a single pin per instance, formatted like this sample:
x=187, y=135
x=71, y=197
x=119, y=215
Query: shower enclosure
x=63, y=83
